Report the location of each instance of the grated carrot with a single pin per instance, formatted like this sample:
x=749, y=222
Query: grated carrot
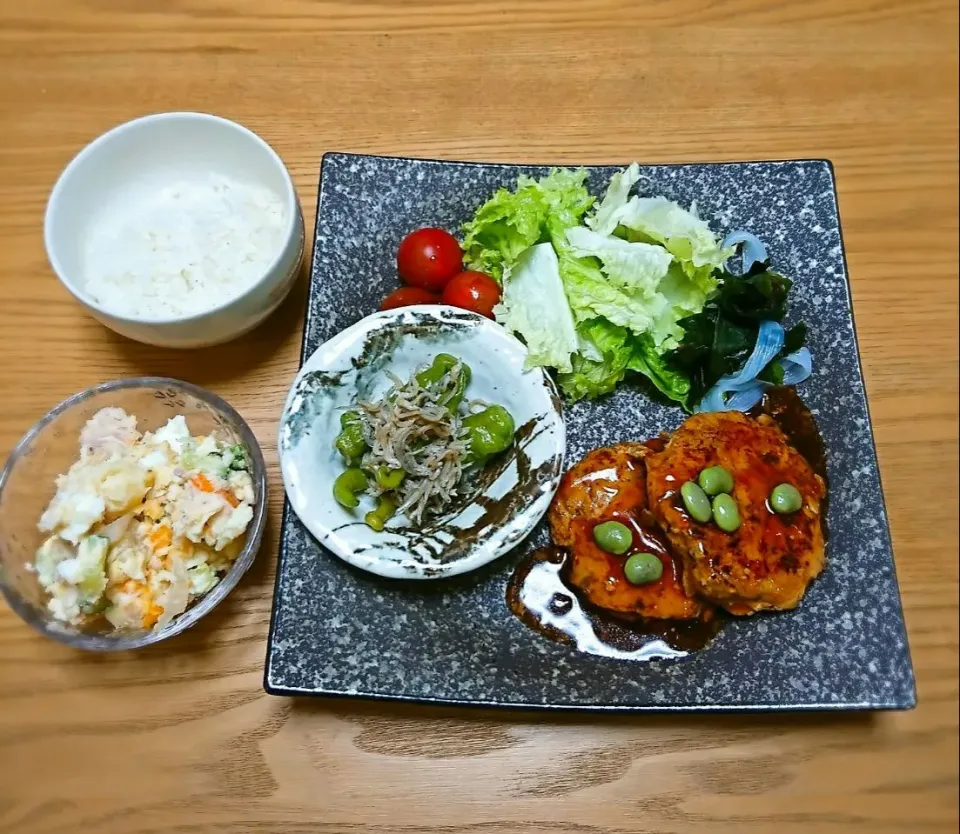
x=152, y=614
x=152, y=611
x=161, y=537
x=229, y=497
x=202, y=482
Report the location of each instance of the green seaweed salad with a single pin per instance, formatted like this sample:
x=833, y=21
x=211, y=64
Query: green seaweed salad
x=625, y=285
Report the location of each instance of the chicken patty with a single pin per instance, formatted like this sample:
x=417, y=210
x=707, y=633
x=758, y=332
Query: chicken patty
x=609, y=484
x=770, y=560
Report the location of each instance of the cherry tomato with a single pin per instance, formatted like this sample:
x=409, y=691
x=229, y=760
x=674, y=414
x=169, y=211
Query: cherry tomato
x=475, y=291
x=407, y=297
x=428, y=258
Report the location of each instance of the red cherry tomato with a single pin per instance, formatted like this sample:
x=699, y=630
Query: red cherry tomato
x=475, y=291
x=428, y=258
x=407, y=297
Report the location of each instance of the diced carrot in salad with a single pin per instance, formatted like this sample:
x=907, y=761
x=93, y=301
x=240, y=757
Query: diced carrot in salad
x=130, y=544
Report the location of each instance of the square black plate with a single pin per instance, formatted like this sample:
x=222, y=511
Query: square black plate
x=338, y=631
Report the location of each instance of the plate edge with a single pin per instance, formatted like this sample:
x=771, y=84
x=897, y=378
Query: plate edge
x=521, y=706
x=345, y=155
x=907, y=703
x=886, y=532
x=287, y=509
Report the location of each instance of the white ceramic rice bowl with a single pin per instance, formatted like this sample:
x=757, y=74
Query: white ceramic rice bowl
x=135, y=160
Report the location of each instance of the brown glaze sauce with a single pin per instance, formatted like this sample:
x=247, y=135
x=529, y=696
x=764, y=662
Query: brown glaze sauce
x=784, y=405
x=541, y=595
x=581, y=597
x=602, y=583
x=646, y=539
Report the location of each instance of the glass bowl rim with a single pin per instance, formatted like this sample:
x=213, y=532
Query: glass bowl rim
x=255, y=532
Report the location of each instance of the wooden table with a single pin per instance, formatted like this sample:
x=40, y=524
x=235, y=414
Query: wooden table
x=181, y=737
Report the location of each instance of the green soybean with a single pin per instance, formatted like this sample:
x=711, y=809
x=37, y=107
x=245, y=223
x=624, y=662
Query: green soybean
x=387, y=478
x=642, y=568
x=725, y=513
x=696, y=501
x=785, y=498
x=378, y=517
x=613, y=537
x=348, y=485
x=350, y=442
x=443, y=364
x=489, y=432
x=454, y=397
x=714, y=480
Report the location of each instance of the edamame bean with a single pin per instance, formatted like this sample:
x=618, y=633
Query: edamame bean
x=714, y=480
x=348, y=485
x=439, y=368
x=785, y=498
x=377, y=518
x=387, y=478
x=642, y=568
x=725, y=513
x=443, y=363
x=696, y=502
x=454, y=397
x=350, y=442
x=489, y=431
x=613, y=537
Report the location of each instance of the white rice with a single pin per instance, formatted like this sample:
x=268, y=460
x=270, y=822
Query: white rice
x=184, y=248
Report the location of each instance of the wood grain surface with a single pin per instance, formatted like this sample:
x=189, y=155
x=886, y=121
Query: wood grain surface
x=181, y=738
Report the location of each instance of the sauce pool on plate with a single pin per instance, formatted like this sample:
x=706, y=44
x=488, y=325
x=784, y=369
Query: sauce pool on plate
x=539, y=594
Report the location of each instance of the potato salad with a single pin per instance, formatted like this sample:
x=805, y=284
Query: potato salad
x=142, y=525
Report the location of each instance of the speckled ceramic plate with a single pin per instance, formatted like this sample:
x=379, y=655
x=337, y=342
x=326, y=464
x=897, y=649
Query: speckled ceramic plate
x=340, y=631
x=509, y=496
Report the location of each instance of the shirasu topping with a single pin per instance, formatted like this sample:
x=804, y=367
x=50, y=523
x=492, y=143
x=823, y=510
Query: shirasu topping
x=412, y=428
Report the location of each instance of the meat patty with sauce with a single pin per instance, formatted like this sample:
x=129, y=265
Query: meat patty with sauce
x=609, y=484
x=770, y=560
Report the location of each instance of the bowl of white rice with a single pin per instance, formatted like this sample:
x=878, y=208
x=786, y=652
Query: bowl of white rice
x=177, y=229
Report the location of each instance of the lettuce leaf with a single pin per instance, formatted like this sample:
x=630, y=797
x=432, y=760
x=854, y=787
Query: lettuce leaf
x=590, y=378
x=624, y=277
x=613, y=351
x=591, y=295
x=512, y=221
x=565, y=195
x=646, y=359
x=606, y=217
x=681, y=232
x=657, y=220
x=635, y=289
x=635, y=267
x=534, y=306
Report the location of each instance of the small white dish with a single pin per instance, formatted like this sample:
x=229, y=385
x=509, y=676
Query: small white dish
x=518, y=486
x=127, y=167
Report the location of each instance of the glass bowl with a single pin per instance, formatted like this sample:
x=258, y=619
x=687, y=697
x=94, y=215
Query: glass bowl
x=28, y=482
